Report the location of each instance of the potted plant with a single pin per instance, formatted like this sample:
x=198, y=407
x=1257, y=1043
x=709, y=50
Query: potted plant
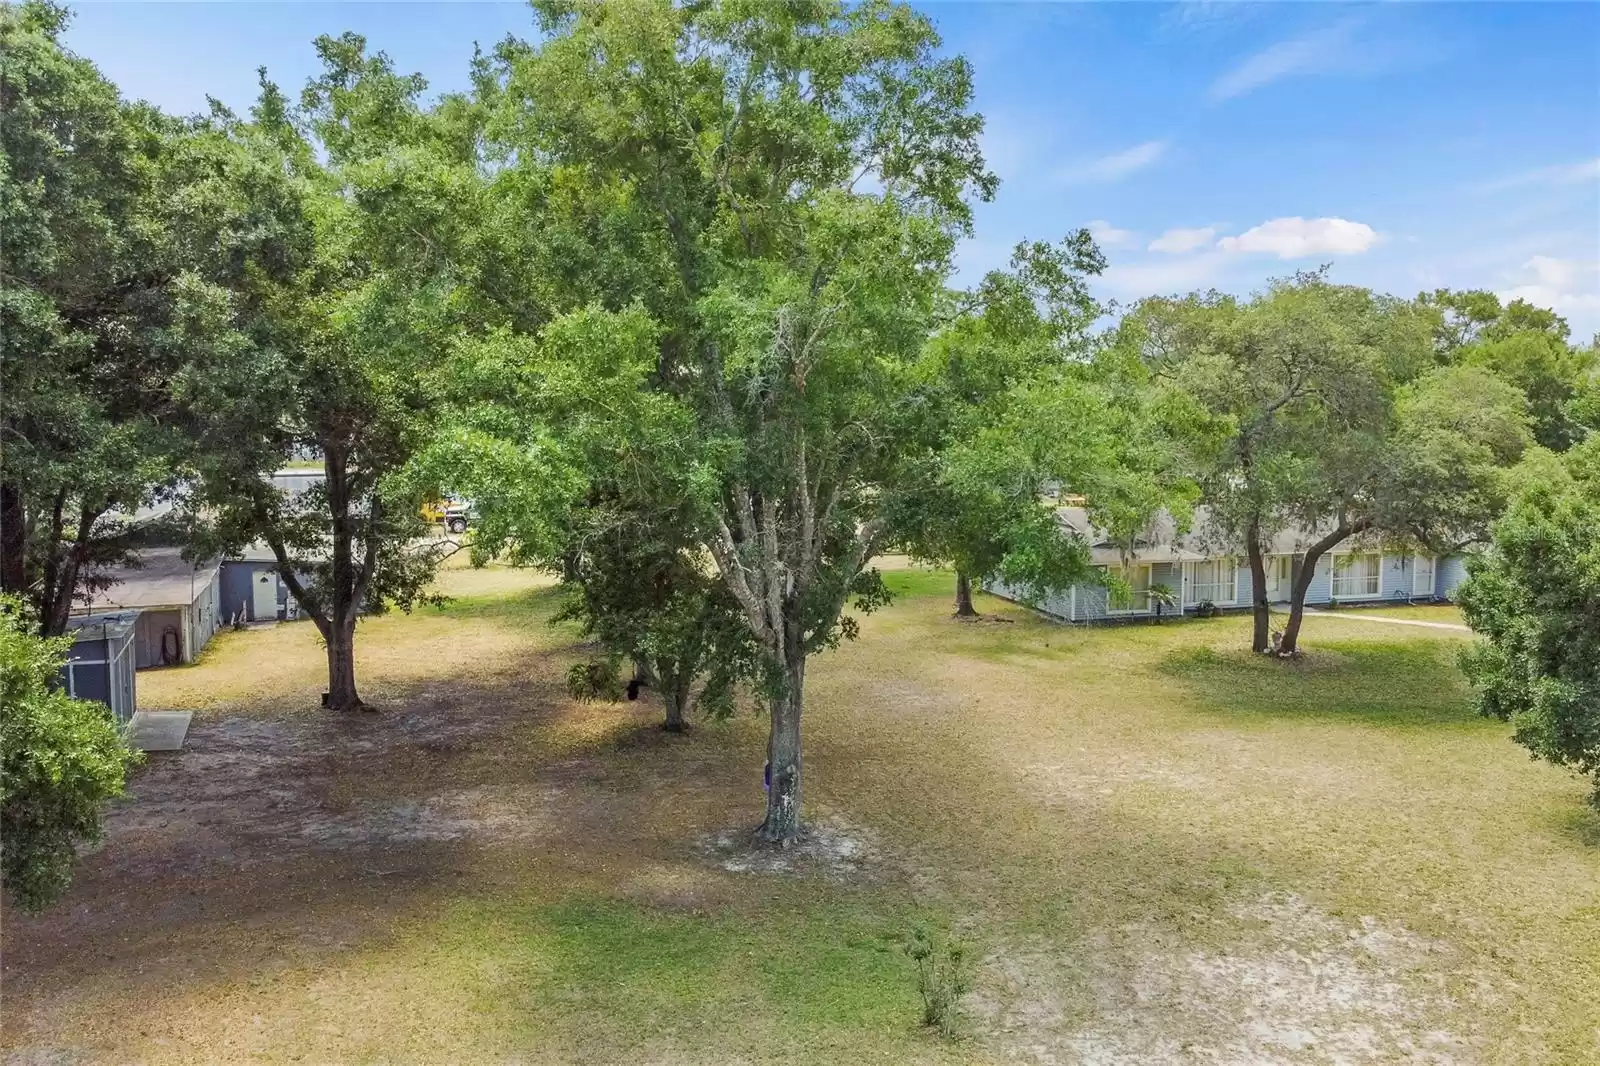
x=1206, y=609
x=1163, y=597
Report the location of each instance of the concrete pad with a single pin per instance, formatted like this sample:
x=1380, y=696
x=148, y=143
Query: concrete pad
x=1357, y=617
x=159, y=730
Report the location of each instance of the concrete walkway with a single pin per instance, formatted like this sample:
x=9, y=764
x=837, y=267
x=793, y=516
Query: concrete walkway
x=1354, y=617
x=159, y=730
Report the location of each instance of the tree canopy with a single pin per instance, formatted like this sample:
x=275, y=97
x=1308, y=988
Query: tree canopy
x=341, y=315
x=92, y=288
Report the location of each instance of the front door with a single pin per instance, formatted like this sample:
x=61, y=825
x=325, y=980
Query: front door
x=1280, y=578
x=264, y=596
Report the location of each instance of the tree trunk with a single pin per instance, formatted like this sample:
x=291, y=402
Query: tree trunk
x=1260, y=634
x=964, y=608
x=782, y=823
x=13, y=539
x=341, y=640
x=1290, y=645
x=675, y=698
x=674, y=722
x=340, y=632
x=61, y=577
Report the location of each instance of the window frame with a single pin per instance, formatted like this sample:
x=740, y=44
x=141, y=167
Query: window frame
x=1133, y=605
x=1192, y=593
x=1343, y=562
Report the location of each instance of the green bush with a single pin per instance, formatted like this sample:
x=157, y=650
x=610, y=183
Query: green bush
x=61, y=760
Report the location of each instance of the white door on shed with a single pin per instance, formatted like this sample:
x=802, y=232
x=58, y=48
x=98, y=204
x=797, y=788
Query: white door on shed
x=264, y=596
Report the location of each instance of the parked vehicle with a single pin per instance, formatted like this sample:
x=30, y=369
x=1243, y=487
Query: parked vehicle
x=455, y=515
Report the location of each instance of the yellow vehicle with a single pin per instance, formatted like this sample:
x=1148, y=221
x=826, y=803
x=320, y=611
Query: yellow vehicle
x=453, y=514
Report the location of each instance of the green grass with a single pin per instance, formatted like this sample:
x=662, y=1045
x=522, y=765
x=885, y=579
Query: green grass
x=628, y=970
x=1346, y=680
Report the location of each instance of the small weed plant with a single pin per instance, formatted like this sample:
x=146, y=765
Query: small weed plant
x=942, y=978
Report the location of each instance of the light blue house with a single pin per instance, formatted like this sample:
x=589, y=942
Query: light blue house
x=1201, y=567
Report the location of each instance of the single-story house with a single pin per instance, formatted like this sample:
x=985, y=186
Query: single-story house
x=1200, y=567
x=177, y=602
x=100, y=663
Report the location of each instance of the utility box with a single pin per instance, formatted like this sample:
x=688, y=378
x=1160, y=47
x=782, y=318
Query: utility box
x=100, y=665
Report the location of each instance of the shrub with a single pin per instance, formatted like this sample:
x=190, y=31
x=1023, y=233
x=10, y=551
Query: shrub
x=942, y=978
x=61, y=760
x=596, y=681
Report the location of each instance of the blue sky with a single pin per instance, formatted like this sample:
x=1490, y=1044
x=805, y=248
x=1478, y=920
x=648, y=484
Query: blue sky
x=1409, y=145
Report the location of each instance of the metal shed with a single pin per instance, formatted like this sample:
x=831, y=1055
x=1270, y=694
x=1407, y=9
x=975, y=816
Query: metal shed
x=178, y=603
x=100, y=663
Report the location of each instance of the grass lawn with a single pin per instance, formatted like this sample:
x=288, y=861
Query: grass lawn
x=1160, y=849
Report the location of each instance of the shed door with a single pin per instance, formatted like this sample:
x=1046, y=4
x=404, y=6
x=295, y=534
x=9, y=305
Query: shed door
x=264, y=596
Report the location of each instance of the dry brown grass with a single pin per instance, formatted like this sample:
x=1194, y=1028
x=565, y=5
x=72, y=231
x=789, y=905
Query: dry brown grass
x=1162, y=850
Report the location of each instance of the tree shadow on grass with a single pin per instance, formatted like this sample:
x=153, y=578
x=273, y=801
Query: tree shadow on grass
x=1388, y=683
x=1581, y=824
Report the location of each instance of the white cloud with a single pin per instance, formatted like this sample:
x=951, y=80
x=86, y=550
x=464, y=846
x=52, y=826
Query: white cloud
x=1561, y=174
x=1316, y=53
x=1113, y=167
x=1133, y=281
x=1179, y=241
x=1209, y=14
x=1297, y=238
x=1570, y=287
x=1108, y=236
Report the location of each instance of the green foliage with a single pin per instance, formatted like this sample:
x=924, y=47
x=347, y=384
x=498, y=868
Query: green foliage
x=1163, y=598
x=97, y=266
x=61, y=760
x=1535, y=599
x=1328, y=412
x=943, y=977
x=1458, y=432
x=1526, y=346
x=596, y=680
x=342, y=311
x=1011, y=407
x=658, y=605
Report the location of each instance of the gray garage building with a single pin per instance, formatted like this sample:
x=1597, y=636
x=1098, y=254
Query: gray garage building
x=178, y=604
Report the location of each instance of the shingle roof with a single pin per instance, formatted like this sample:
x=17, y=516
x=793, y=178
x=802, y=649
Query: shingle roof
x=165, y=579
x=1160, y=541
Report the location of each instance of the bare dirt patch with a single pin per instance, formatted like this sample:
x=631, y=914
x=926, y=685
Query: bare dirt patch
x=831, y=847
x=1293, y=985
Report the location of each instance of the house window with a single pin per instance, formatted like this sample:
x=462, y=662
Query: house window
x=1422, y=576
x=1136, y=597
x=1216, y=580
x=1356, y=575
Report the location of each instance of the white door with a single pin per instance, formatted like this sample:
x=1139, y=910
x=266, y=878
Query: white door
x=264, y=596
x=1280, y=579
x=1422, y=576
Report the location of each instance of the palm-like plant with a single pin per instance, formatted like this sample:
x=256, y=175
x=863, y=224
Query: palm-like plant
x=1162, y=596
